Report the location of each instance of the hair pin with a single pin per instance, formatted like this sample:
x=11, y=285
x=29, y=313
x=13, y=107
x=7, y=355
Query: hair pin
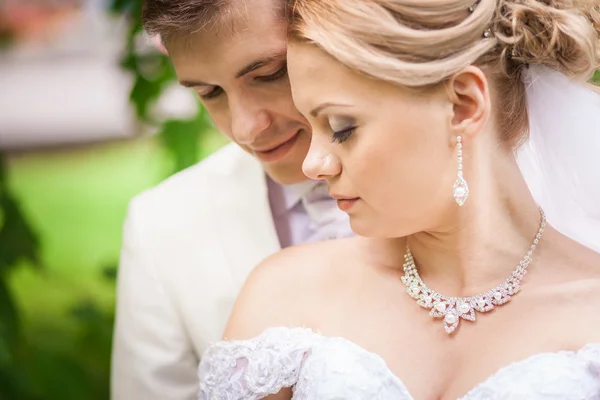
x=474, y=6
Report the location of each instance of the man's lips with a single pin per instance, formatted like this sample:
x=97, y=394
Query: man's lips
x=267, y=149
x=278, y=151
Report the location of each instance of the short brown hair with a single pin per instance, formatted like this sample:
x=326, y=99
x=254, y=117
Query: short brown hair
x=169, y=18
x=179, y=18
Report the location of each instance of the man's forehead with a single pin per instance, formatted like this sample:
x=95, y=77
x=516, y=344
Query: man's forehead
x=243, y=47
x=237, y=25
x=220, y=59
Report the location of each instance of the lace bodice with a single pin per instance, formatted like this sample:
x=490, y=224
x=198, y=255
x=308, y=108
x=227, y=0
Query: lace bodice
x=333, y=368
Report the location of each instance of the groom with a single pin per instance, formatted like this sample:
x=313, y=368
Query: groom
x=190, y=243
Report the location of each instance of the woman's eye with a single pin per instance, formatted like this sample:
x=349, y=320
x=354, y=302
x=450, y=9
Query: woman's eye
x=343, y=135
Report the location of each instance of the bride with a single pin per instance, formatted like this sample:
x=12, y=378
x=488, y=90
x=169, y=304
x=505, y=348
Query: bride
x=429, y=119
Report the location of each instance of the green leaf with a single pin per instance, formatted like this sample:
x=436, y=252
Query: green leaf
x=18, y=240
x=152, y=74
x=9, y=325
x=143, y=93
x=181, y=139
x=123, y=6
x=109, y=273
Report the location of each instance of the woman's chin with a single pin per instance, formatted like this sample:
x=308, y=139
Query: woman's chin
x=378, y=228
x=366, y=227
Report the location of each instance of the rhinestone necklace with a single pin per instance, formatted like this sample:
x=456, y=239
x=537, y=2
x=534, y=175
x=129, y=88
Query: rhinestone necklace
x=452, y=309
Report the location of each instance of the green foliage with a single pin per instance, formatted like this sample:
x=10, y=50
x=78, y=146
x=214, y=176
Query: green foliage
x=180, y=138
x=18, y=243
x=44, y=362
x=153, y=72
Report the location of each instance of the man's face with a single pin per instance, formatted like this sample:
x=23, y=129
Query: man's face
x=238, y=69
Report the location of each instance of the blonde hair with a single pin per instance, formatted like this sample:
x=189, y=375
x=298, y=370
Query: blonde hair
x=419, y=43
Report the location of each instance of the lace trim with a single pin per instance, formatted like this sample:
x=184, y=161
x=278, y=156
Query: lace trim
x=316, y=366
x=253, y=369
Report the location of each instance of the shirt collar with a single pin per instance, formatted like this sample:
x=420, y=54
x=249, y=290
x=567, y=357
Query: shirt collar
x=285, y=197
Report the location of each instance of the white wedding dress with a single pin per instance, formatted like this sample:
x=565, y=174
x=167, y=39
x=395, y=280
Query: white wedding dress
x=560, y=164
x=333, y=368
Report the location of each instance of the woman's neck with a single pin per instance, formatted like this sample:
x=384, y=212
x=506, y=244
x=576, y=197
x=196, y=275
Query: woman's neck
x=478, y=245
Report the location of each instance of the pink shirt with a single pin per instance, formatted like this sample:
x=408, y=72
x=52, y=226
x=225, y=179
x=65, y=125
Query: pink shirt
x=291, y=219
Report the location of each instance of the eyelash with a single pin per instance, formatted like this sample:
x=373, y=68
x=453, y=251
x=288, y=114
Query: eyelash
x=269, y=78
x=273, y=77
x=212, y=94
x=343, y=135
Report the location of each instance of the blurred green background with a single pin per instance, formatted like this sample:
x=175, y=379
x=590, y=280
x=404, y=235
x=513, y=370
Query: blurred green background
x=61, y=214
x=75, y=201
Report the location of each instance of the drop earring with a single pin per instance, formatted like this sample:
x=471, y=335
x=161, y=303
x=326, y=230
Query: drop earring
x=460, y=191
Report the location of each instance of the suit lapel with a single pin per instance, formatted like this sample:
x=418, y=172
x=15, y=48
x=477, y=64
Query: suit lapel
x=245, y=221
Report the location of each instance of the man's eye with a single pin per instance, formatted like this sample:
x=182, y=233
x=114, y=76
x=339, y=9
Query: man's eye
x=212, y=94
x=273, y=77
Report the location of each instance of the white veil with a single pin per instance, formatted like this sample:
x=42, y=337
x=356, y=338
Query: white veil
x=561, y=159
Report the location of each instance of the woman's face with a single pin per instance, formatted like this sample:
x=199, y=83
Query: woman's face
x=390, y=150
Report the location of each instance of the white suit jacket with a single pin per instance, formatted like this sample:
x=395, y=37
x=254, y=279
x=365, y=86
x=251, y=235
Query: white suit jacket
x=189, y=245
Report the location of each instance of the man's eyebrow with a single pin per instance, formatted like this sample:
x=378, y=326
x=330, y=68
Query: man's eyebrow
x=191, y=84
x=258, y=64
x=246, y=70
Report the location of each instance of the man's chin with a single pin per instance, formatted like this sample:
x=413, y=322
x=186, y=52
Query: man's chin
x=288, y=170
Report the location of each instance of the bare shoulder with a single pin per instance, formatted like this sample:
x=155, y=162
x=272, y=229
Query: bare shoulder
x=576, y=272
x=304, y=264
x=582, y=298
x=287, y=287
x=571, y=289
x=589, y=270
x=582, y=266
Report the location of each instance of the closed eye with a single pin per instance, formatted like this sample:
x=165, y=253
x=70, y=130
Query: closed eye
x=343, y=135
x=273, y=77
x=215, y=92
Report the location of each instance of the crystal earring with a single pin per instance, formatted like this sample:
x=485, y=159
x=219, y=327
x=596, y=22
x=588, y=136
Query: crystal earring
x=461, y=189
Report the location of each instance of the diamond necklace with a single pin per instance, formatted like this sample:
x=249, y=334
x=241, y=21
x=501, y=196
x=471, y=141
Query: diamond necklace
x=452, y=309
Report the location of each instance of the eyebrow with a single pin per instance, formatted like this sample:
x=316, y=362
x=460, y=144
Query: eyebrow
x=323, y=106
x=258, y=64
x=244, y=71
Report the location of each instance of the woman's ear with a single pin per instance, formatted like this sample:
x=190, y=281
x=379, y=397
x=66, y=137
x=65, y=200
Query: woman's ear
x=470, y=96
